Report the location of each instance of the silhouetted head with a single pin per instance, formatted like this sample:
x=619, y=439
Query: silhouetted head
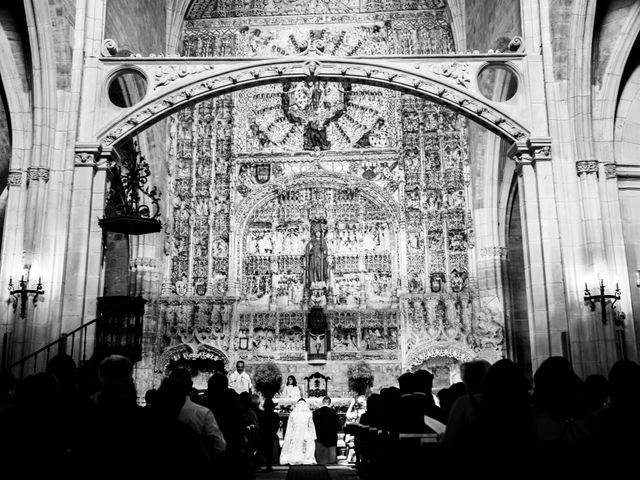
x=473, y=374
x=506, y=384
x=63, y=367
x=423, y=381
x=217, y=386
x=38, y=393
x=116, y=379
x=556, y=386
x=150, y=396
x=596, y=391
x=406, y=383
x=182, y=377
x=170, y=397
x=244, y=400
x=624, y=382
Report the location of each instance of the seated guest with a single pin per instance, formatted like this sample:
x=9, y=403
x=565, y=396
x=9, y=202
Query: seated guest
x=390, y=408
x=464, y=408
x=619, y=424
x=406, y=383
x=327, y=426
x=423, y=384
x=373, y=416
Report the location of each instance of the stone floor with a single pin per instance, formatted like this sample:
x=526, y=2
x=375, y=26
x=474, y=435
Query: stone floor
x=337, y=472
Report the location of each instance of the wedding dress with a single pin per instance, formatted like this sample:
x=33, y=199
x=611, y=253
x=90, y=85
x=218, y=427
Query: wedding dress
x=299, y=440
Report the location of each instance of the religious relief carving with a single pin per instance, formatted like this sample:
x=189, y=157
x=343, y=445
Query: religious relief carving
x=458, y=72
x=195, y=322
x=168, y=74
x=260, y=8
x=314, y=115
x=344, y=332
x=199, y=181
x=316, y=260
x=86, y=158
x=321, y=267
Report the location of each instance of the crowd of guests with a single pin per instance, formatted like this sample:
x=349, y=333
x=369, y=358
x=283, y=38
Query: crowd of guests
x=61, y=421
x=498, y=418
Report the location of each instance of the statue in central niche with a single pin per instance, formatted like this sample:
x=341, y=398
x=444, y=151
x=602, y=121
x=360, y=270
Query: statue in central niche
x=316, y=261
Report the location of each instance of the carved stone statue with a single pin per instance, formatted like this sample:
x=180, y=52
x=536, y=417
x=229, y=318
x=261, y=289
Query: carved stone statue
x=316, y=262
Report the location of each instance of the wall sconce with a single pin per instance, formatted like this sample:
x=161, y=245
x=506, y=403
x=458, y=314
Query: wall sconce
x=602, y=299
x=23, y=293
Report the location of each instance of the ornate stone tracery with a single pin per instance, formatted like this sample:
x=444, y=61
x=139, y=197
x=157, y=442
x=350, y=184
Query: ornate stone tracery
x=383, y=175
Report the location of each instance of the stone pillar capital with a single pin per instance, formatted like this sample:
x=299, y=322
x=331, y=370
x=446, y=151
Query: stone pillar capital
x=610, y=170
x=15, y=178
x=530, y=151
x=92, y=155
x=586, y=167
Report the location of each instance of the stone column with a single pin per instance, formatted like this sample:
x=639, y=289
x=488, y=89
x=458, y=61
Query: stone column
x=12, y=264
x=542, y=255
x=84, y=250
x=589, y=338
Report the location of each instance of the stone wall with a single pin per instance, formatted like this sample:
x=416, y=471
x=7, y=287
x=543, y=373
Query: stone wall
x=610, y=18
x=519, y=319
x=627, y=153
x=491, y=28
x=138, y=26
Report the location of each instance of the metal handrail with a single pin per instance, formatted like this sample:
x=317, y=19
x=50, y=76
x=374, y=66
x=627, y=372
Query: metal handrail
x=64, y=337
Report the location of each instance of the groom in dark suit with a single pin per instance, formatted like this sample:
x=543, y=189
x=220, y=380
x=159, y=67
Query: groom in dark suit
x=327, y=426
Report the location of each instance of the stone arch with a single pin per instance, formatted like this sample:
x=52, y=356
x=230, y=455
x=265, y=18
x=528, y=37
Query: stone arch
x=427, y=350
x=178, y=86
x=605, y=107
x=169, y=354
x=185, y=351
x=312, y=178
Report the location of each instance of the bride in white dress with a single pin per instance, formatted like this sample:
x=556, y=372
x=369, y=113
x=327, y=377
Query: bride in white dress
x=299, y=446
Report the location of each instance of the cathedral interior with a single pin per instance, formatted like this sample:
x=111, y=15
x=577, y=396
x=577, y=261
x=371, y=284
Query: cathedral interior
x=411, y=183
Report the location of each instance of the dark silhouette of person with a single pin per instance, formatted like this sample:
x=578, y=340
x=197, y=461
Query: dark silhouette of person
x=502, y=422
x=150, y=397
x=373, y=416
x=327, y=425
x=564, y=432
x=269, y=425
x=38, y=444
x=223, y=402
x=595, y=394
x=618, y=426
x=423, y=386
x=73, y=405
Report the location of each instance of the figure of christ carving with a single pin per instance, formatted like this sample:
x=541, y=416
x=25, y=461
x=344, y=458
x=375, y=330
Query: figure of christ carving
x=317, y=344
x=316, y=262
